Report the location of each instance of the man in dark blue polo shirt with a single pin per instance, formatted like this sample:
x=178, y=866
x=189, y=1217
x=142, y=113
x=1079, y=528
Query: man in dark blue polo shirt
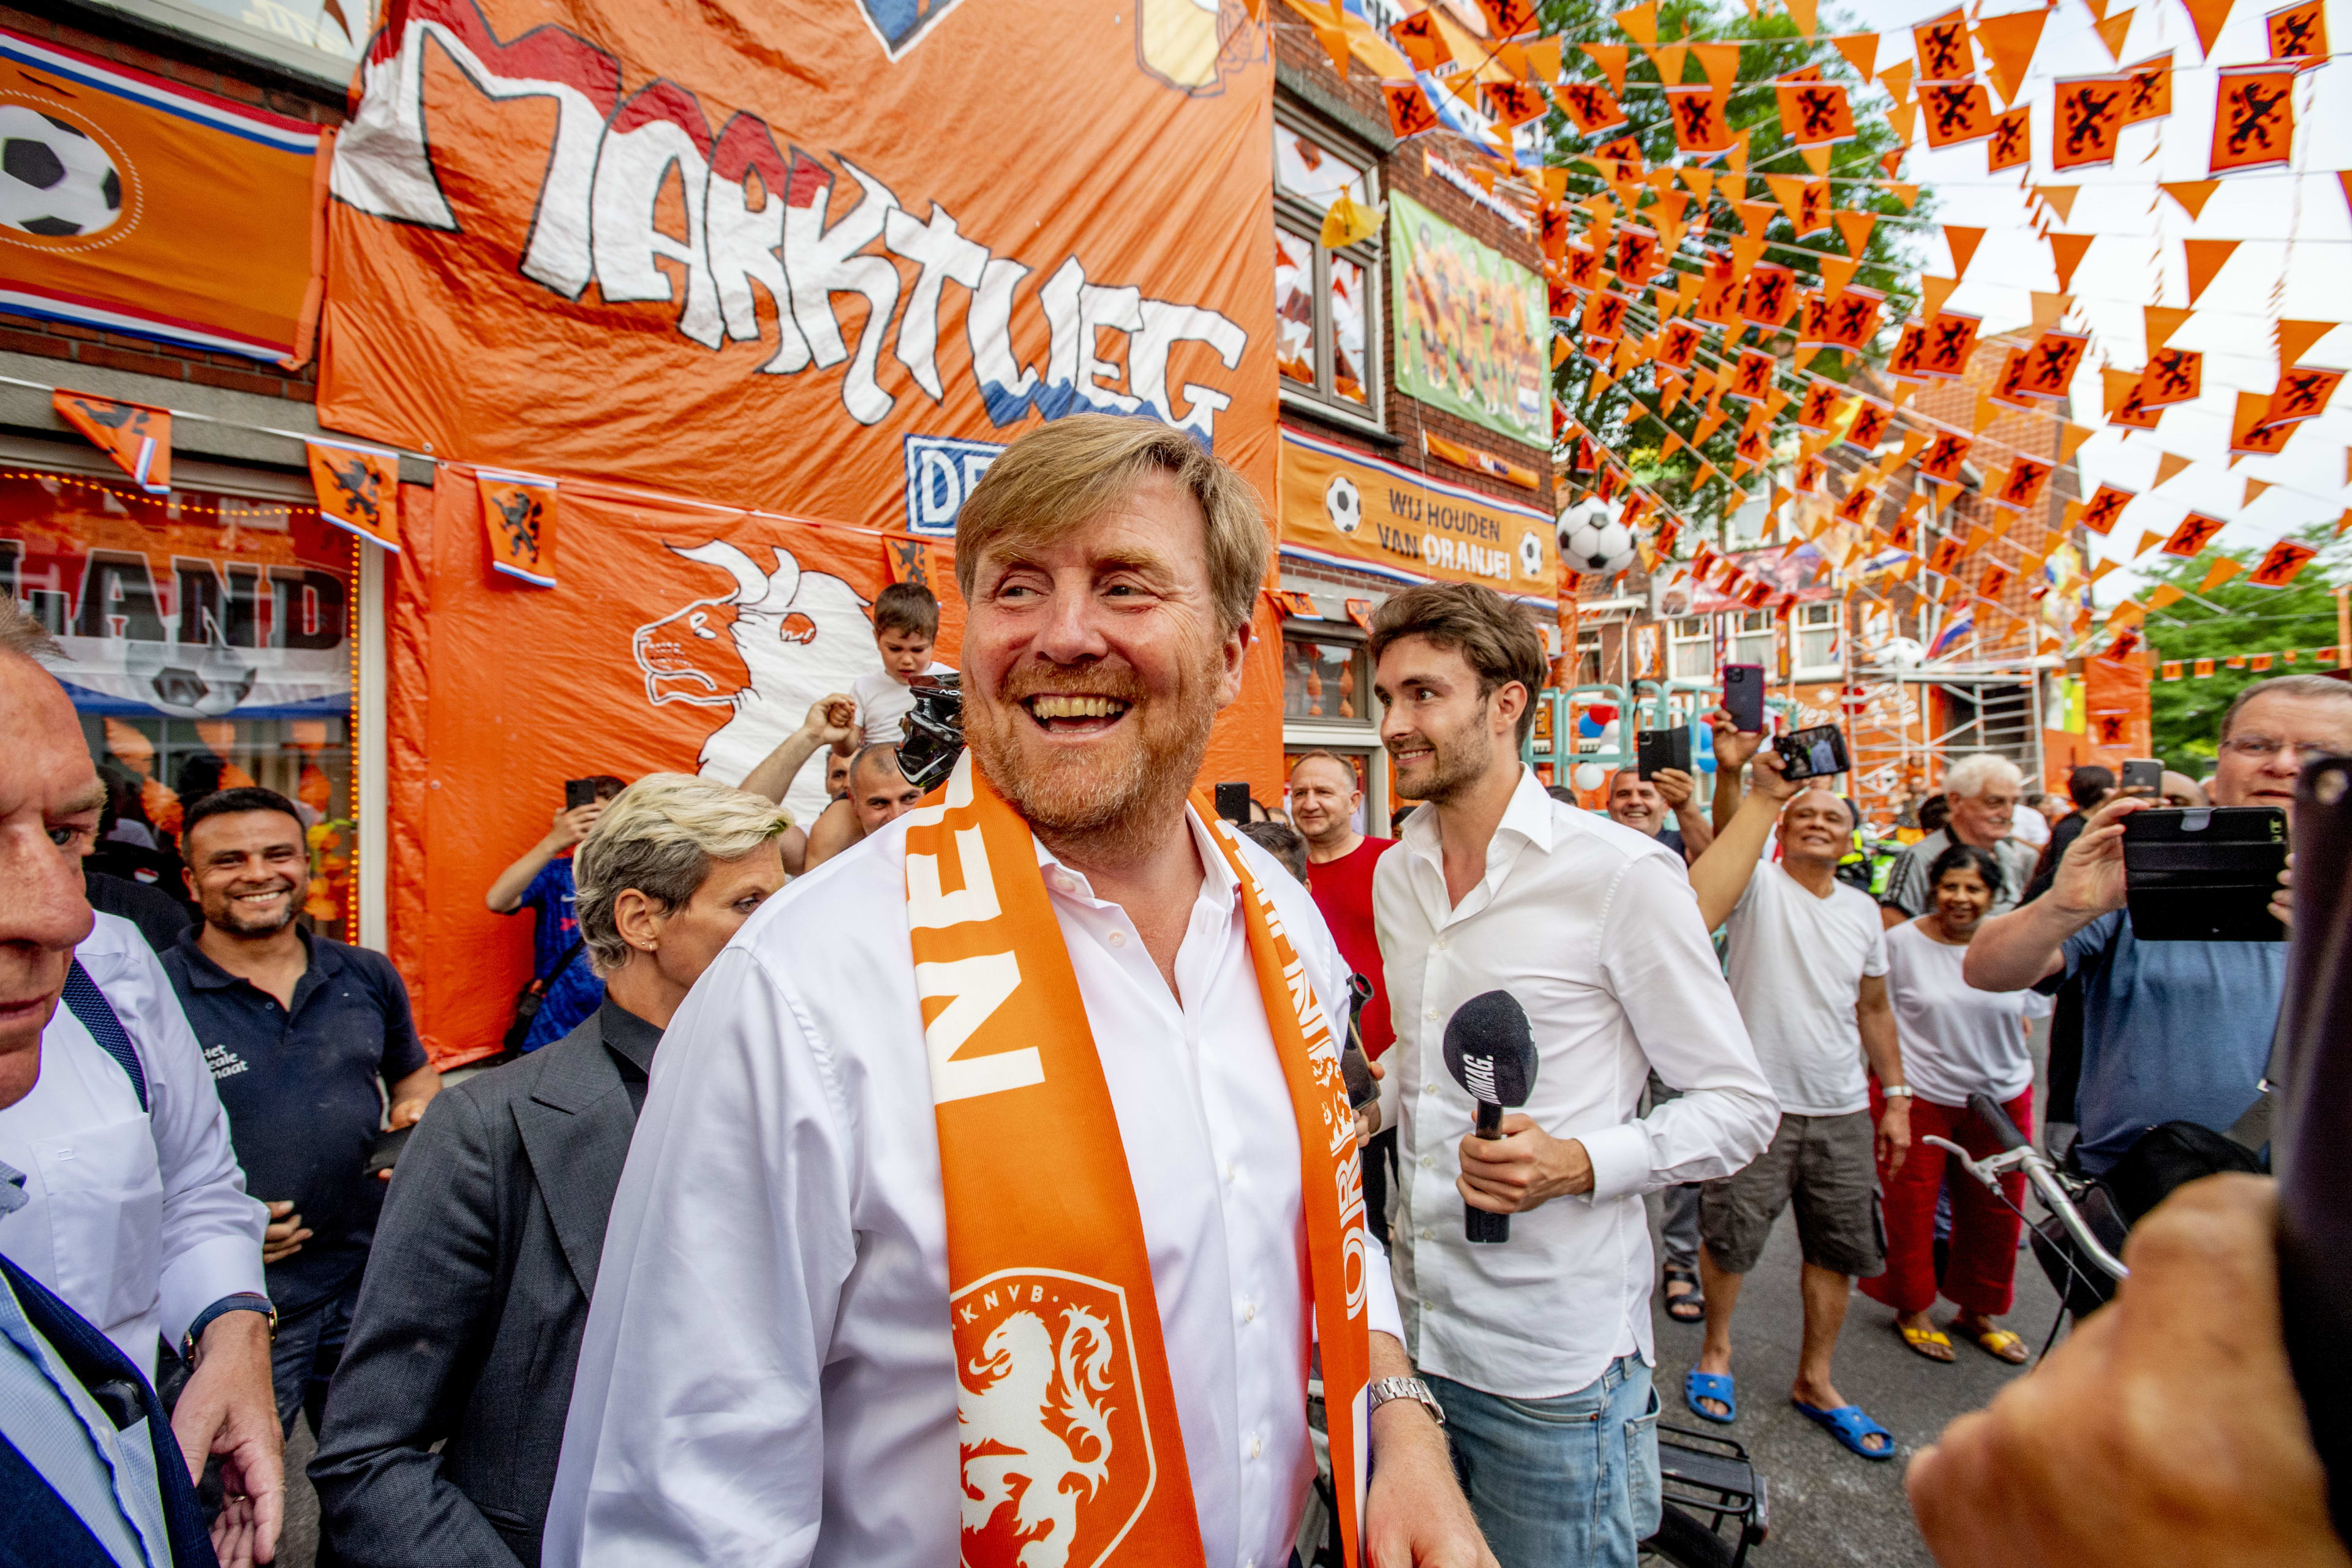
x=303, y=1036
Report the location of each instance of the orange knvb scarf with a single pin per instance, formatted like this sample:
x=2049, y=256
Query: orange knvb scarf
x=1071, y=1449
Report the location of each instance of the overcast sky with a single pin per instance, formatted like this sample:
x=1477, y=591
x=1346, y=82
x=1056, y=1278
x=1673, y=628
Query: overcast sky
x=2296, y=261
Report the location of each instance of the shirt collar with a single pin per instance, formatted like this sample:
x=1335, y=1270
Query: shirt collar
x=1219, y=884
x=627, y=1035
x=205, y=974
x=1528, y=815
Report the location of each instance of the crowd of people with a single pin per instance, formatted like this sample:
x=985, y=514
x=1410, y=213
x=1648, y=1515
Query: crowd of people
x=1003, y=1148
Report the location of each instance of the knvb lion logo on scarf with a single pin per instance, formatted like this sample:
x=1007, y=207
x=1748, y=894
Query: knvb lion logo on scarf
x=1072, y=1453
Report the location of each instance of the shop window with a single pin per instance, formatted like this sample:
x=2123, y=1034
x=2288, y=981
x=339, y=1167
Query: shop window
x=1751, y=639
x=1817, y=636
x=1690, y=649
x=1326, y=679
x=1325, y=301
x=209, y=643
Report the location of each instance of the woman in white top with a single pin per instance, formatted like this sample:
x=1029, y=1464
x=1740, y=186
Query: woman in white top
x=1957, y=1041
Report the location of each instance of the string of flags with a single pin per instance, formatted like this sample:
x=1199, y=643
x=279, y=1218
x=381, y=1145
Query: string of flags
x=2254, y=663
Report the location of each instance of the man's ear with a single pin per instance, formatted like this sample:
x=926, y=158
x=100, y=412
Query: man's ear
x=1510, y=701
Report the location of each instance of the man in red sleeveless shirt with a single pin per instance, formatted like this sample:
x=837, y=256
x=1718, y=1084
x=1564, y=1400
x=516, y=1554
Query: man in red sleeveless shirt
x=1324, y=800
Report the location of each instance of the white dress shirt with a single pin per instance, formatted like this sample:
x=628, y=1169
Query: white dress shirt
x=1593, y=928
x=767, y=1373
x=137, y=1219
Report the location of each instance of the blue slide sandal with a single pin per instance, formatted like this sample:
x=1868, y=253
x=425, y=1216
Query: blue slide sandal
x=1698, y=1385
x=1849, y=1426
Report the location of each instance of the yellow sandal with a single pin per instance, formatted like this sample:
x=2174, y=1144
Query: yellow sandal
x=2001, y=1344
x=1920, y=1339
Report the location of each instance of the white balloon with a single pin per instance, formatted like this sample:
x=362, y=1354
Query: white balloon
x=1589, y=776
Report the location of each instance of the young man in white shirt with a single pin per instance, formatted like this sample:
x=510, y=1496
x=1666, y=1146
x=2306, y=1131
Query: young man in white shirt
x=857, y=1215
x=1808, y=963
x=134, y=1209
x=1539, y=1348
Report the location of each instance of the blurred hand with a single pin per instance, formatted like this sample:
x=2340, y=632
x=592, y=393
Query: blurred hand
x=1770, y=778
x=2090, y=880
x=1893, y=1134
x=2282, y=901
x=2083, y=1464
x=1524, y=1169
x=1674, y=787
x=1733, y=746
x=832, y=718
x=283, y=1235
x=571, y=827
x=228, y=1411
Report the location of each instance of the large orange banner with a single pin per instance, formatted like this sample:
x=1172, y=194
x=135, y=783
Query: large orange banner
x=823, y=256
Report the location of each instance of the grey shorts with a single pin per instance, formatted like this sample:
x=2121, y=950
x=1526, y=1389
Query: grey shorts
x=1829, y=1165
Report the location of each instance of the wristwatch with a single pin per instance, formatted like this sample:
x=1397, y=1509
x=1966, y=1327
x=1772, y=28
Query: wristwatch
x=1383, y=1389
x=1896, y=1091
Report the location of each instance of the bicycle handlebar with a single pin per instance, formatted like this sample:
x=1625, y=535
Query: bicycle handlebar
x=1988, y=1111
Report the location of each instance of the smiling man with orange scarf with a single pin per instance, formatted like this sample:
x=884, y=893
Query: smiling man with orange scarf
x=997, y=1183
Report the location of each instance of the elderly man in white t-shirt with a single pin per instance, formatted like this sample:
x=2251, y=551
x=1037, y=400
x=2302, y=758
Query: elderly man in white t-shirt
x=1808, y=967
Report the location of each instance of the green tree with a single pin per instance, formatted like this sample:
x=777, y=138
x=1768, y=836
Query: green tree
x=1620, y=415
x=2186, y=714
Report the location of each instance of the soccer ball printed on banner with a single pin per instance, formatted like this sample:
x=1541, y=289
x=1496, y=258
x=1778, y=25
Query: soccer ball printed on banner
x=1343, y=504
x=1591, y=539
x=54, y=181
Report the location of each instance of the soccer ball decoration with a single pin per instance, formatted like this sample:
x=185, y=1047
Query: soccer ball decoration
x=1899, y=653
x=53, y=180
x=1343, y=504
x=1592, y=540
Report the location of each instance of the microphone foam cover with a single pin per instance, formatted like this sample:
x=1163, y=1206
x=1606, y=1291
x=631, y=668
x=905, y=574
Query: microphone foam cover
x=1490, y=1049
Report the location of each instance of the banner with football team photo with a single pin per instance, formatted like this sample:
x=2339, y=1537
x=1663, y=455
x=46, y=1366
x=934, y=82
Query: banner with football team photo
x=1473, y=329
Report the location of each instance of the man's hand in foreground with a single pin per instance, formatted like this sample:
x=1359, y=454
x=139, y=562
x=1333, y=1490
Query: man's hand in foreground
x=1524, y=1169
x=1415, y=1516
x=1894, y=1134
x=227, y=1410
x=2166, y=1431
x=284, y=1234
x=2089, y=881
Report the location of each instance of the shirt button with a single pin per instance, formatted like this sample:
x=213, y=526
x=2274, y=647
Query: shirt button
x=1118, y=939
x=1256, y=1446
x=1429, y=1162
x=1430, y=1014
x=1249, y=1311
x=1427, y=1234
x=1429, y=1088
x=1438, y=946
x=1062, y=882
x=1232, y=1172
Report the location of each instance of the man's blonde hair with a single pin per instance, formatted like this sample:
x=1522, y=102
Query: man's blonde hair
x=659, y=835
x=1068, y=471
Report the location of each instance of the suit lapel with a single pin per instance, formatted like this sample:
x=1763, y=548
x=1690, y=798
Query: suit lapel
x=575, y=1127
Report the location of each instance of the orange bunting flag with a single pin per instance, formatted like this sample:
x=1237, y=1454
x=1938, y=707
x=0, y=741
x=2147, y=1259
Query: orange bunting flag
x=1942, y=49
x=1854, y=228
x=2066, y=253
x=1963, y=242
x=1821, y=400
x=2027, y=476
x=1871, y=420
x=1768, y=295
x=1994, y=580
x=2205, y=258
x=358, y=488
x=2196, y=531
x=1611, y=58
x=138, y=438
x=2008, y=42
x=910, y=561
x=1423, y=43
x=2298, y=32
x=2207, y=17
x=1943, y=456
x=2090, y=116
x=1410, y=112
x=2149, y=96
x=1589, y=106
x=1958, y=113
x=1945, y=556
x=2173, y=376
x=1697, y=112
x=2052, y=362
x=2280, y=564
x=2302, y=394
x=2106, y=505
x=1513, y=103
x=519, y=519
x=1639, y=23
x=1682, y=343
x=1909, y=360
x=2224, y=567
x=2254, y=119
x=1814, y=113
x=2130, y=411
x=1509, y=18
x=1951, y=341
x=2252, y=433
x=1754, y=378
x=2011, y=145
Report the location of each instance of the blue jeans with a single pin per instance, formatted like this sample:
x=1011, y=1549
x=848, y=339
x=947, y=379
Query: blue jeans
x=1571, y=1481
x=309, y=1346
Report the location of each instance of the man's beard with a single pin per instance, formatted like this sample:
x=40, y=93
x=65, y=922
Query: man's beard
x=233, y=920
x=1458, y=761
x=1118, y=796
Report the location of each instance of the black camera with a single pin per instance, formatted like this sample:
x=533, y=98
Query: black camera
x=934, y=731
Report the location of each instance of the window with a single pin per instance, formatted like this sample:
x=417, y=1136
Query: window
x=1325, y=301
x=1690, y=649
x=1588, y=659
x=1817, y=635
x=1326, y=679
x=1751, y=641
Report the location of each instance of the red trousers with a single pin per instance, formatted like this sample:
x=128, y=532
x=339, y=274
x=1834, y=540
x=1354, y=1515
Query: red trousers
x=1982, y=1263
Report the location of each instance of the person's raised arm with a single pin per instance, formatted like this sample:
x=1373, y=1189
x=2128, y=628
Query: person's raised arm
x=1733, y=747
x=1874, y=1011
x=569, y=829
x=1721, y=875
x=2025, y=946
x=831, y=722
x=1677, y=788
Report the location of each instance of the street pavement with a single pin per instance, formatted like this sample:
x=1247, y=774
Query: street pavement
x=1829, y=1507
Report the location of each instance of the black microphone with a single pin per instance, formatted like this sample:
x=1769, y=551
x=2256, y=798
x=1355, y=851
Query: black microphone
x=1491, y=1052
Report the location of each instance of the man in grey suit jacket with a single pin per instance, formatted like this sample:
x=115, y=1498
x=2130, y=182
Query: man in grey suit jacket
x=467, y=1327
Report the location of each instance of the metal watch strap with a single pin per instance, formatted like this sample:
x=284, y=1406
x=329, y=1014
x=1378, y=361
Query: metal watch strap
x=1383, y=1389
x=1899, y=1091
